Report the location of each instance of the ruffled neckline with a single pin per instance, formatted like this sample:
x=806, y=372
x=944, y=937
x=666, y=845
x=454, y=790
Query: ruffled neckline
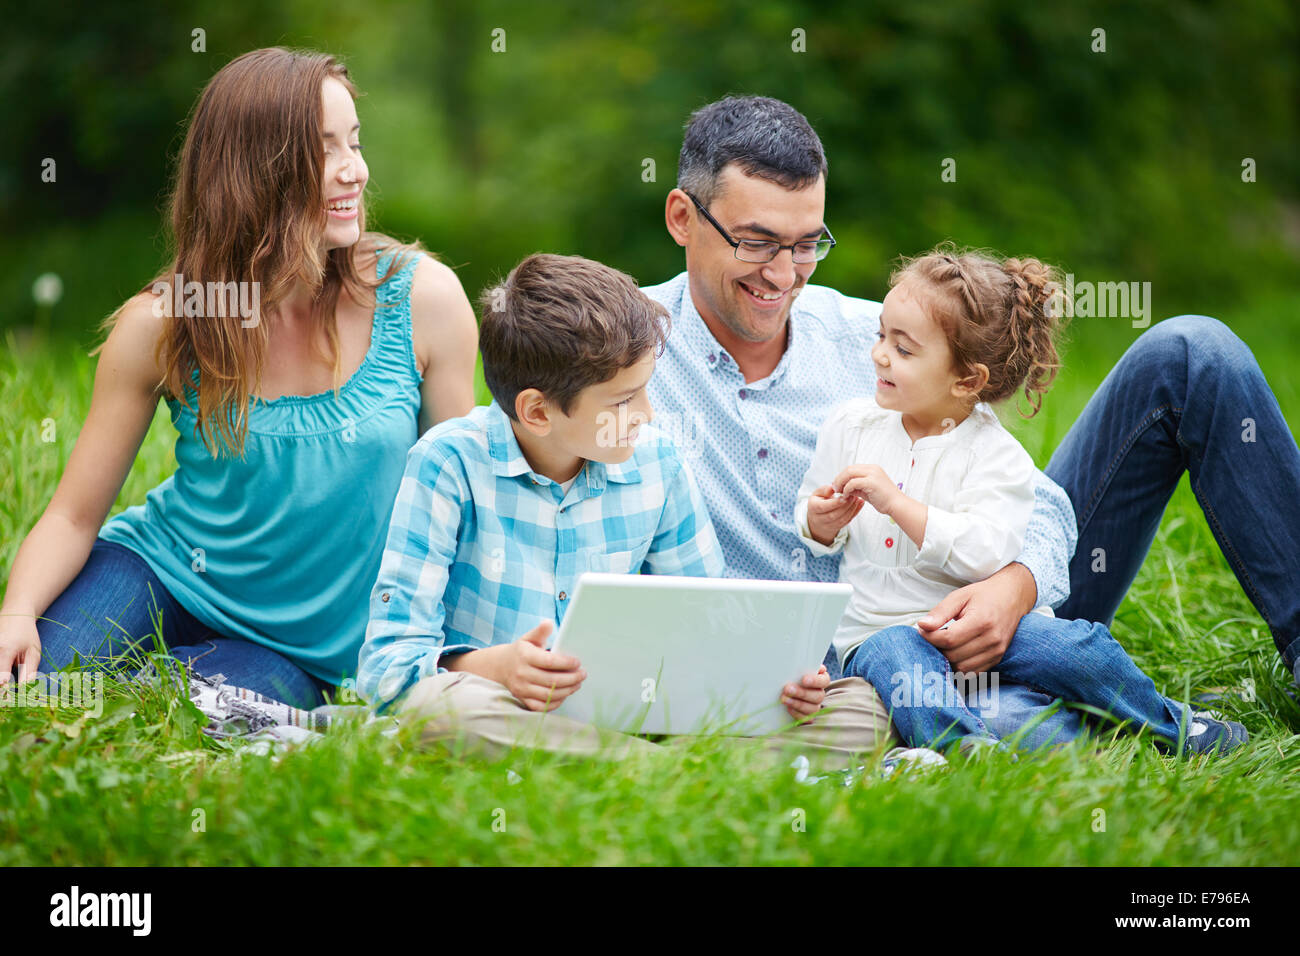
x=365, y=389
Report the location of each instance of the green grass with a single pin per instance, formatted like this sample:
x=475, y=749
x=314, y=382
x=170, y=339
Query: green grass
x=146, y=790
x=126, y=788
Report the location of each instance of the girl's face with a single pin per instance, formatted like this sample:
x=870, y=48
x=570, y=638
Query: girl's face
x=913, y=359
x=345, y=170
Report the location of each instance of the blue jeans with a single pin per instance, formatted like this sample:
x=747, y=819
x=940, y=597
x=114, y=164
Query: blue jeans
x=111, y=605
x=1077, y=661
x=1020, y=710
x=1189, y=396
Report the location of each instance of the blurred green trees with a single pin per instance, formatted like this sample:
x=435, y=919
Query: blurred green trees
x=1125, y=164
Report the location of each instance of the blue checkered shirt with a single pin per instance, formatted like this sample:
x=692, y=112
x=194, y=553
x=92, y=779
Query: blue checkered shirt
x=481, y=549
x=750, y=444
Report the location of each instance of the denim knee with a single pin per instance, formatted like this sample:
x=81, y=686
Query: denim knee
x=890, y=648
x=1040, y=635
x=1055, y=643
x=1206, y=344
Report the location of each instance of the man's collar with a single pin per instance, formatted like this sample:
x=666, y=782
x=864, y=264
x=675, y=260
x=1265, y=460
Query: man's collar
x=697, y=334
x=702, y=342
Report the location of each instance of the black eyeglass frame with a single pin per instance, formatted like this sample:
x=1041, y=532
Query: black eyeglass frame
x=737, y=243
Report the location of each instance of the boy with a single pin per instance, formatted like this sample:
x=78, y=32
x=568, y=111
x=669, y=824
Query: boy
x=499, y=512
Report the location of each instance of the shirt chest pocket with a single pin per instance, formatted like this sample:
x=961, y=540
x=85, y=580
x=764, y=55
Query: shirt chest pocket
x=613, y=561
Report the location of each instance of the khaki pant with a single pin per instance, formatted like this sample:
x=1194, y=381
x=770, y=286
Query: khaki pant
x=469, y=713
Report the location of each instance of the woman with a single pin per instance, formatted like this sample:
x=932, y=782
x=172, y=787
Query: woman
x=296, y=391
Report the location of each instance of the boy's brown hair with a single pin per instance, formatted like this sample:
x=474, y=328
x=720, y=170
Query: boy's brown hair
x=562, y=323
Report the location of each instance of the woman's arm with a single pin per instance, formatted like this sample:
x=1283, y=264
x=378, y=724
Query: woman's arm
x=445, y=336
x=125, y=397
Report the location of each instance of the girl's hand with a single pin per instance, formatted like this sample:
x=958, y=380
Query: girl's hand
x=870, y=484
x=827, y=513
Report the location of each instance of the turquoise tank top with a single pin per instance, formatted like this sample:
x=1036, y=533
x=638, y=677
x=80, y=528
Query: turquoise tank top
x=283, y=547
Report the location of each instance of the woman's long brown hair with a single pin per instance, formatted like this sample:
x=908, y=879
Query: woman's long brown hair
x=247, y=206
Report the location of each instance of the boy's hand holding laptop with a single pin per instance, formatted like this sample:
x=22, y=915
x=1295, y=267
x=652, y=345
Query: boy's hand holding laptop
x=539, y=678
x=804, y=699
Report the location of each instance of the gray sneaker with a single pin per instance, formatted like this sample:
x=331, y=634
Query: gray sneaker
x=1210, y=733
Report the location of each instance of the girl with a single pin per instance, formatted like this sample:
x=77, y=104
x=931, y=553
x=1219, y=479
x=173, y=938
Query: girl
x=305, y=359
x=925, y=492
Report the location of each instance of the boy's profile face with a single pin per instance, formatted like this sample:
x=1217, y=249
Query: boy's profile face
x=603, y=421
x=602, y=424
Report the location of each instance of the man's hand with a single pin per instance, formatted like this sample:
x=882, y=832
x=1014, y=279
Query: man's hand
x=984, y=617
x=537, y=677
x=805, y=699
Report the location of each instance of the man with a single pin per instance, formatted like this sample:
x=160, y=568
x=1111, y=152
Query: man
x=757, y=357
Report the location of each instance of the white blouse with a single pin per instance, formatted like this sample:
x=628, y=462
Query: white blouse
x=978, y=483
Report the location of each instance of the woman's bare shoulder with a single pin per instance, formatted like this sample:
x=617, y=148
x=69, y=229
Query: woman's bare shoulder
x=132, y=342
x=440, y=313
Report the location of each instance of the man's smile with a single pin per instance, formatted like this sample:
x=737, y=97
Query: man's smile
x=764, y=298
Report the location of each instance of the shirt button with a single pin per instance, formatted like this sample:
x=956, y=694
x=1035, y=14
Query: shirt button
x=712, y=357
x=384, y=597
x=889, y=542
x=762, y=453
x=743, y=393
x=563, y=596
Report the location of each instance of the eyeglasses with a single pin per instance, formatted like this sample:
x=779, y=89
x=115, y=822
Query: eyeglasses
x=761, y=250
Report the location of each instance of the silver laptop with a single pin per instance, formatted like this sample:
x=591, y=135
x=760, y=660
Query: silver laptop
x=685, y=655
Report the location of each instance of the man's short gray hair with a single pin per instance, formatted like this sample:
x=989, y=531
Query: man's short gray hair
x=765, y=137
